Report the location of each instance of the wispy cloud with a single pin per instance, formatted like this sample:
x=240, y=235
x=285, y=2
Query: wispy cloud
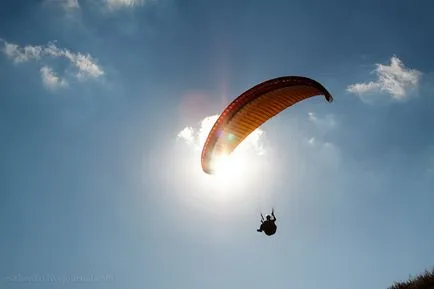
x=116, y=4
x=110, y=5
x=71, y=4
x=395, y=79
x=51, y=80
x=85, y=65
x=327, y=151
x=67, y=5
x=325, y=123
x=21, y=54
x=196, y=137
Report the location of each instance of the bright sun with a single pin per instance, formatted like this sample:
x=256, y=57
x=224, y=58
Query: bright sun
x=233, y=173
x=230, y=166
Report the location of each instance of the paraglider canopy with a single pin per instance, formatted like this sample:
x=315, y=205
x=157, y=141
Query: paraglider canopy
x=250, y=110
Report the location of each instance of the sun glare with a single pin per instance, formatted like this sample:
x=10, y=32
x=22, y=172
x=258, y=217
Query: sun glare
x=234, y=173
x=229, y=166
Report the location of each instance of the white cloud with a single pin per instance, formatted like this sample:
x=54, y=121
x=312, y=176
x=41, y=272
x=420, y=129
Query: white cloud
x=51, y=80
x=116, y=4
x=187, y=134
x=196, y=137
x=325, y=154
x=73, y=5
x=67, y=5
x=394, y=79
x=21, y=54
x=85, y=66
x=325, y=123
x=70, y=4
x=311, y=141
x=328, y=152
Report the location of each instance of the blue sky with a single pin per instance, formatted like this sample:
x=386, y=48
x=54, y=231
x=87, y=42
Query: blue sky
x=104, y=106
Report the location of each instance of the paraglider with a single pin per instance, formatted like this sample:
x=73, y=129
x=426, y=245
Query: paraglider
x=268, y=226
x=250, y=110
x=253, y=108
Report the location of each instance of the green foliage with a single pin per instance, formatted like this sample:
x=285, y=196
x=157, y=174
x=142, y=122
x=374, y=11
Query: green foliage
x=421, y=281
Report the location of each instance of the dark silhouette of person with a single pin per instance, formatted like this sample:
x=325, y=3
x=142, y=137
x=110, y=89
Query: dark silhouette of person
x=268, y=226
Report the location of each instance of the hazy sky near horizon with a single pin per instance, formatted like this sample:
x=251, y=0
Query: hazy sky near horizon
x=104, y=108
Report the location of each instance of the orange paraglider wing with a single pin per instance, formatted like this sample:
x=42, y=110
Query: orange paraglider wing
x=253, y=108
